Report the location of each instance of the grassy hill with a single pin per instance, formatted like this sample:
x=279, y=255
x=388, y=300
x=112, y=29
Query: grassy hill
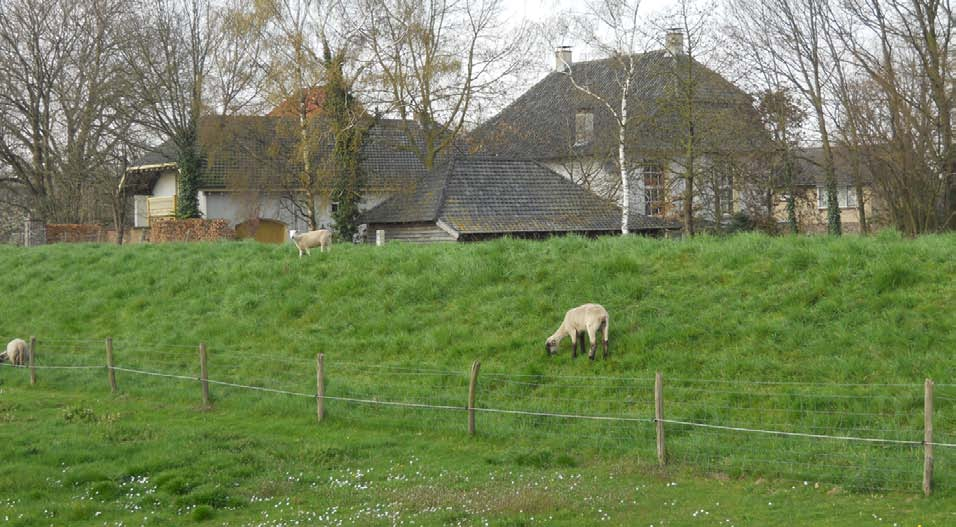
x=815, y=335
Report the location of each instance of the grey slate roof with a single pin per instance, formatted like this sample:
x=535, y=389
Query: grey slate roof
x=260, y=152
x=493, y=195
x=540, y=123
x=810, y=170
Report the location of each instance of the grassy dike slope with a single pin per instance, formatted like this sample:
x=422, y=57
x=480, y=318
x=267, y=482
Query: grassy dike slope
x=849, y=310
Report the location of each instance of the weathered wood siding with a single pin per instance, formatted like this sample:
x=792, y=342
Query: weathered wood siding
x=410, y=232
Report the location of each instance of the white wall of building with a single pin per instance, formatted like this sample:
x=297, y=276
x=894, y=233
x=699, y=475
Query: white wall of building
x=165, y=185
x=237, y=207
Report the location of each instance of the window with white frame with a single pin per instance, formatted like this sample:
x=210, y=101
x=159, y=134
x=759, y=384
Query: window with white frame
x=726, y=194
x=846, y=197
x=653, y=175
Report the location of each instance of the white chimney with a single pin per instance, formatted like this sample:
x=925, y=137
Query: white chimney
x=674, y=41
x=562, y=59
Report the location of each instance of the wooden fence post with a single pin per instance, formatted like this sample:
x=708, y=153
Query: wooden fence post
x=32, y=359
x=659, y=417
x=109, y=364
x=204, y=375
x=928, y=437
x=471, y=397
x=320, y=386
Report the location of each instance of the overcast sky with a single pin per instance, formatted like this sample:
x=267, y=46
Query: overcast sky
x=538, y=10
x=543, y=8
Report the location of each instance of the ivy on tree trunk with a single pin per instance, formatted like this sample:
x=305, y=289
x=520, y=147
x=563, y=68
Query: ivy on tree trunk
x=348, y=126
x=190, y=168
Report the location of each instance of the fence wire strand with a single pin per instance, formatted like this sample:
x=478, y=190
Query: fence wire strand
x=604, y=409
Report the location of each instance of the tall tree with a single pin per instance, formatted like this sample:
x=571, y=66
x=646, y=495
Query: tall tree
x=613, y=29
x=170, y=58
x=688, y=32
x=784, y=119
x=295, y=76
x=904, y=49
x=348, y=127
x=789, y=35
x=63, y=101
x=435, y=59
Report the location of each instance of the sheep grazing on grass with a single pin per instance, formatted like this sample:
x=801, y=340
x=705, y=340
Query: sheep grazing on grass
x=588, y=318
x=303, y=242
x=17, y=353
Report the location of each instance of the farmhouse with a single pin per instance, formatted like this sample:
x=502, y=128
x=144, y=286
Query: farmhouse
x=249, y=179
x=673, y=100
x=250, y=175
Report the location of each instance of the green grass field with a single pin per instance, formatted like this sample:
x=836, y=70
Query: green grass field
x=804, y=335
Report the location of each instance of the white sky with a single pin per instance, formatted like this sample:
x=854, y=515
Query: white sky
x=543, y=8
x=537, y=10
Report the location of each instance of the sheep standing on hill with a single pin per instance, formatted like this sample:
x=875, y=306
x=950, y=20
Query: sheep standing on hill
x=16, y=353
x=587, y=318
x=321, y=238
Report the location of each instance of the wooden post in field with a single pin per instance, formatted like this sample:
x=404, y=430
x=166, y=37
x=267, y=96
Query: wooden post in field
x=659, y=417
x=204, y=375
x=471, y=397
x=109, y=364
x=320, y=386
x=33, y=358
x=928, y=437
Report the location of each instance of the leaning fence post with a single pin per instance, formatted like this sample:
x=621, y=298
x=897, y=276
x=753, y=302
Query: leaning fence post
x=659, y=417
x=32, y=360
x=204, y=375
x=320, y=386
x=109, y=364
x=928, y=437
x=471, y=397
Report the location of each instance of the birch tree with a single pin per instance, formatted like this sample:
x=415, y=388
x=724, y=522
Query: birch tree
x=613, y=29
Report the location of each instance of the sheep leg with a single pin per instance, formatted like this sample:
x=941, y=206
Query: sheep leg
x=606, y=353
x=592, y=337
x=574, y=345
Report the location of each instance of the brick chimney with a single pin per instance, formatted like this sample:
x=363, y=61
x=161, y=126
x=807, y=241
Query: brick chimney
x=562, y=59
x=674, y=41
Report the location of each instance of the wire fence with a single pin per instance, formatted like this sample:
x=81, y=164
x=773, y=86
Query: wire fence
x=862, y=437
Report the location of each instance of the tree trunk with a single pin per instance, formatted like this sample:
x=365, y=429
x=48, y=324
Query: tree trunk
x=833, y=205
x=622, y=161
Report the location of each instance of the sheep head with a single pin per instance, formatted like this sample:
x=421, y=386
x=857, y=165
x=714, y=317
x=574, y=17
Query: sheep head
x=551, y=345
x=292, y=234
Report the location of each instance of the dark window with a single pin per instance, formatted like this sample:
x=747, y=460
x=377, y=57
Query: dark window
x=583, y=127
x=335, y=207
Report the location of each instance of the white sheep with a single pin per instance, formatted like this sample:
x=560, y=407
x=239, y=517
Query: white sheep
x=321, y=238
x=587, y=318
x=17, y=353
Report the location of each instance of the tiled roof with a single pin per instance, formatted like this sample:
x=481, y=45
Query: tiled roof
x=540, y=123
x=261, y=152
x=489, y=195
x=810, y=167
